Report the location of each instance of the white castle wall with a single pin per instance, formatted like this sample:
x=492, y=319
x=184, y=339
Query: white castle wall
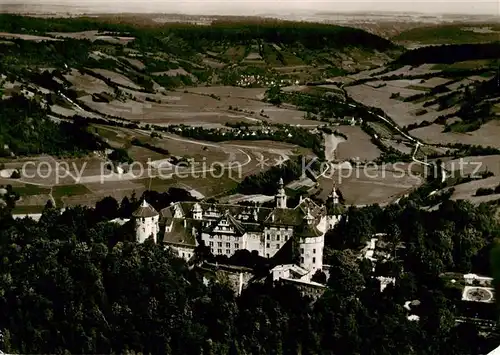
x=311, y=253
x=145, y=227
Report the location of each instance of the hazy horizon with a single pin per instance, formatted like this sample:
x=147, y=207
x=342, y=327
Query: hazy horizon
x=242, y=7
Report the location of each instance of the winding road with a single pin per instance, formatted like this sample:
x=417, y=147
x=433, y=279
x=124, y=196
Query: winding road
x=398, y=129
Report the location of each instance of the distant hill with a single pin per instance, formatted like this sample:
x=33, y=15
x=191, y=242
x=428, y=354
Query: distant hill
x=449, y=54
x=457, y=33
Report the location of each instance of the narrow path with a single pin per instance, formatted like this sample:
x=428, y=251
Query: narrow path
x=52, y=198
x=394, y=126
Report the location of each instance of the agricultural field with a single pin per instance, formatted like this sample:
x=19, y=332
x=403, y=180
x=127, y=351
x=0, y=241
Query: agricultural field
x=450, y=34
x=487, y=135
x=474, y=165
x=370, y=185
x=468, y=190
x=93, y=36
x=85, y=181
x=200, y=109
x=403, y=113
x=230, y=91
x=26, y=37
x=116, y=78
x=358, y=145
x=170, y=82
x=87, y=83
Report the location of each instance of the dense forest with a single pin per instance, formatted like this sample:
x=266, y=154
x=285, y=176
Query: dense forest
x=448, y=54
x=25, y=129
x=310, y=35
x=74, y=283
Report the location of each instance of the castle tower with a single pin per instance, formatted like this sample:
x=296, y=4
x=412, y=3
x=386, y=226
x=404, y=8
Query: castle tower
x=311, y=242
x=197, y=211
x=281, y=195
x=147, y=222
x=334, y=196
x=334, y=208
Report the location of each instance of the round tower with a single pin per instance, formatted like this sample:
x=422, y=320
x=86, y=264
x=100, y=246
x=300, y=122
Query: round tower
x=281, y=195
x=147, y=222
x=311, y=242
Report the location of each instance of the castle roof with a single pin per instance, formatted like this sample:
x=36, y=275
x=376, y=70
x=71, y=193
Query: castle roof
x=309, y=205
x=285, y=216
x=145, y=211
x=305, y=230
x=180, y=235
x=242, y=218
x=234, y=210
x=238, y=227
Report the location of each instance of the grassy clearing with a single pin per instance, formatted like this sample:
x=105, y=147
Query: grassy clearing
x=31, y=190
x=271, y=55
x=69, y=190
x=236, y=53
x=420, y=88
x=208, y=186
x=466, y=65
x=381, y=129
x=27, y=209
x=291, y=59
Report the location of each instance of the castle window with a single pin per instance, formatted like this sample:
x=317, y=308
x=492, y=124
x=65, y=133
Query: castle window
x=268, y=237
x=268, y=245
x=277, y=238
x=211, y=244
x=286, y=238
x=228, y=251
x=236, y=246
x=277, y=246
x=267, y=255
x=212, y=250
x=219, y=244
x=302, y=250
x=301, y=260
x=219, y=251
x=228, y=245
x=314, y=251
x=183, y=255
x=211, y=236
x=314, y=260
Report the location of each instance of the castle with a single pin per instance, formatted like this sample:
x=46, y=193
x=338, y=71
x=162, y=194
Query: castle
x=226, y=229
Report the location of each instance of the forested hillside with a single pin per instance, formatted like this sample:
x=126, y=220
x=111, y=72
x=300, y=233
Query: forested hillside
x=450, y=53
x=25, y=129
x=74, y=284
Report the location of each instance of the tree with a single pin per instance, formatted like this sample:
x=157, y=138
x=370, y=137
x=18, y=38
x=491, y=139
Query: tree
x=107, y=209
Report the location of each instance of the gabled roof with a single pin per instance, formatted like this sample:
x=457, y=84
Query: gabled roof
x=284, y=216
x=145, y=210
x=235, y=223
x=239, y=227
x=234, y=210
x=180, y=235
x=308, y=204
x=167, y=212
x=307, y=231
